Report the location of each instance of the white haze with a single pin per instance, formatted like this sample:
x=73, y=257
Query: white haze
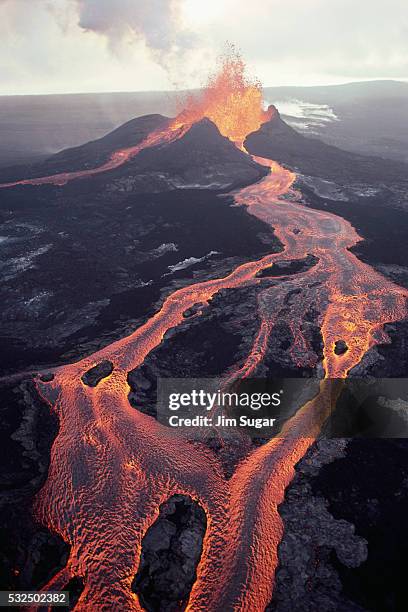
x=57, y=46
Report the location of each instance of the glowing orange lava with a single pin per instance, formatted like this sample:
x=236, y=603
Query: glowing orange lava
x=112, y=466
x=232, y=100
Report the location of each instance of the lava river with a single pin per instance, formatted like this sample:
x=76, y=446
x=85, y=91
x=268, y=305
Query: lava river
x=112, y=466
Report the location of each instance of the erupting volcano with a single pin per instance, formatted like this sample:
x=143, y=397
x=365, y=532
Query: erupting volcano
x=231, y=100
x=112, y=466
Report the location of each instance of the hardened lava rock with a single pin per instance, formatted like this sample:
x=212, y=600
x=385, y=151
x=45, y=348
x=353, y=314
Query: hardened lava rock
x=171, y=550
x=94, y=375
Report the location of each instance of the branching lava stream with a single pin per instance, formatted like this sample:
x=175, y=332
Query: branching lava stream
x=112, y=466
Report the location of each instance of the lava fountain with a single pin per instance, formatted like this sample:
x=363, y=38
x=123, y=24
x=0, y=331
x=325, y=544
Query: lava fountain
x=232, y=100
x=112, y=466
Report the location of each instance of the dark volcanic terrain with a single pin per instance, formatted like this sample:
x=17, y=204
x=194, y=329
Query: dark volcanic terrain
x=86, y=260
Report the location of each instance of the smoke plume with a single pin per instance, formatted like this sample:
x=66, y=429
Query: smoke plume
x=157, y=23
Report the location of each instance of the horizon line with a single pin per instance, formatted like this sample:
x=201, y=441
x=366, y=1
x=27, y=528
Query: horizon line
x=175, y=91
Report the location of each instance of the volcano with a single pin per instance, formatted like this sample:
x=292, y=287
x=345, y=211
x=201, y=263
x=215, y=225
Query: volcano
x=198, y=246
x=201, y=158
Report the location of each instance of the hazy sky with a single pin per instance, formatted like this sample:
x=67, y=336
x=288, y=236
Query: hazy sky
x=54, y=46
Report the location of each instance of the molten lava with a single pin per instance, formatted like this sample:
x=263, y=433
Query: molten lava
x=232, y=100
x=112, y=466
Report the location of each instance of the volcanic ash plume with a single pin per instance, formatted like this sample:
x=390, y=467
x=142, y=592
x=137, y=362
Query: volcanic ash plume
x=157, y=23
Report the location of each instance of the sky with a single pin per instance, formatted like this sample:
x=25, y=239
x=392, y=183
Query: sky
x=64, y=46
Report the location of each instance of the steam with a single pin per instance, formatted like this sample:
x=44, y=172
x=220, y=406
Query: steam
x=157, y=23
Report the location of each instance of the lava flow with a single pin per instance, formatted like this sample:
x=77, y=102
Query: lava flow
x=112, y=466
